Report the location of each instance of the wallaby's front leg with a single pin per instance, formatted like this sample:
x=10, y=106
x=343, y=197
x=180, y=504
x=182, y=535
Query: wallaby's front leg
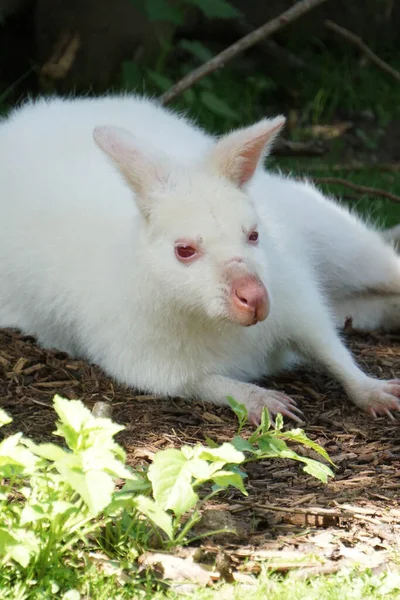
x=216, y=389
x=321, y=343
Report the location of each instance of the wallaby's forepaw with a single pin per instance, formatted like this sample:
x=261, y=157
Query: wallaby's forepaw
x=380, y=397
x=275, y=402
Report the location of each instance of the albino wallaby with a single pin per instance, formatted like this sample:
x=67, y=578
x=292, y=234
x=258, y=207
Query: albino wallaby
x=131, y=238
x=393, y=235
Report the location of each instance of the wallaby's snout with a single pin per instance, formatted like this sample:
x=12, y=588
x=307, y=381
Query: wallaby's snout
x=249, y=300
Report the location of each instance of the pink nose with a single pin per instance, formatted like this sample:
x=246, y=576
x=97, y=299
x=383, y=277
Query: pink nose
x=250, y=302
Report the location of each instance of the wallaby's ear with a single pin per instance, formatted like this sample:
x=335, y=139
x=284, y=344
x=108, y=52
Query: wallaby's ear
x=140, y=172
x=237, y=154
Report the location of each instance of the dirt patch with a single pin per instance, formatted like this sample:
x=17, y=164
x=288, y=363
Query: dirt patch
x=363, y=520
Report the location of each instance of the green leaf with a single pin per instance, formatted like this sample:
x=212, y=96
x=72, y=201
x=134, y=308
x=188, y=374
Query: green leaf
x=298, y=435
x=216, y=9
x=5, y=419
x=21, y=545
x=317, y=469
x=160, y=10
x=270, y=445
x=211, y=443
x=226, y=478
x=218, y=106
x=50, y=452
x=101, y=430
x=97, y=459
x=32, y=514
x=136, y=483
x=132, y=76
x=226, y=453
x=197, y=49
x=72, y=412
x=265, y=420
x=189, y=96
x=200, y=469
x=172, y=481
x=82, y=430
x=71, y=595
x=155, y=513
x=161, y=81
x=95, y=487
x=61, y=507
x=239, y=409
x=6, y=541
x=243, y=445
x=205, y=82
x=278, y=422
x=21, y=554
x=14, y=454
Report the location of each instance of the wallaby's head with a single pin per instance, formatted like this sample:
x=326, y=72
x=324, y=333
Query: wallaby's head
x=200, y=238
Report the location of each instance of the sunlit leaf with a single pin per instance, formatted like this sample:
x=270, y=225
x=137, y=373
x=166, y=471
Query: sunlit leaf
x=5, y=419
x=317, y=469
x=226, y=453
x=298, y=435
x=239, y=409
x=226, y=478
x=172, y=481
x=155, y=513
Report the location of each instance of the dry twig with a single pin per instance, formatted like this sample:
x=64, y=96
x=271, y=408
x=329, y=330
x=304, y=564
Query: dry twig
x=284, y=147
x=357, y=41
x=355, y=166
x=245, y=42
x=345, y=511
x=362, y=189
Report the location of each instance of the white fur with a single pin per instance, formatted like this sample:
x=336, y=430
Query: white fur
x=90, y=271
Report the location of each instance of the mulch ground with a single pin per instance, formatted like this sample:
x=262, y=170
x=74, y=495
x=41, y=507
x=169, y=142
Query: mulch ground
x=288, y=516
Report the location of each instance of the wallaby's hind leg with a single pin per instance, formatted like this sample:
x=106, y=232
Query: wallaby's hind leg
x=374, y=301
x=392, y=236
x=370, y=312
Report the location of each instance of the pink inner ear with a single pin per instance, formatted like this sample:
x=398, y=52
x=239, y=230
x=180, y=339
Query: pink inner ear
x=251, y=155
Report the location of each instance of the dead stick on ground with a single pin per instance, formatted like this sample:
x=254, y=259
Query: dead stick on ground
x=357, y=41
x=245, y=42
x=362, y=189
x=311, y=511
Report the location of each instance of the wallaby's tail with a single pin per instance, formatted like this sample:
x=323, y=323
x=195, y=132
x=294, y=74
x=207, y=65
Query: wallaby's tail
x=392, y=235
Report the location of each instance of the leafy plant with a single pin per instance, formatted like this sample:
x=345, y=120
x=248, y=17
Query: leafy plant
x=267, y=442
x=55, y=501
x=156, y=75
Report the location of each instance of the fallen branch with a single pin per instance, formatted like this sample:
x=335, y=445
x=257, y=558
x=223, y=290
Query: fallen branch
x=344, y=511
x=357, y=41
x=284, y=147
x=63, y=57
x=361, y=189
x=355, y=166
x=245, y=42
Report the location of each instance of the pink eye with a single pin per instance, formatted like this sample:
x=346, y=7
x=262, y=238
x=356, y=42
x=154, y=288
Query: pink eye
x=253, y=237
x=185, y=252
